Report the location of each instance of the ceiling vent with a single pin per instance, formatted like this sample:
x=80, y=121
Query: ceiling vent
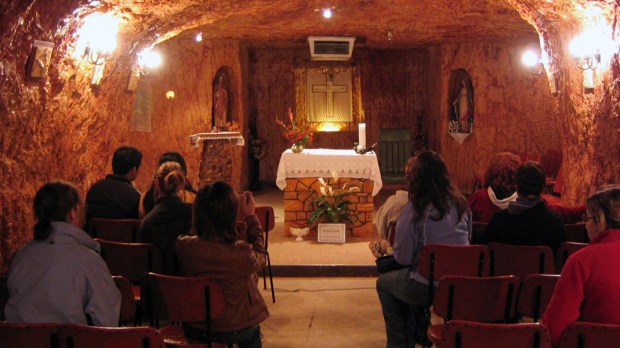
x=330, y=47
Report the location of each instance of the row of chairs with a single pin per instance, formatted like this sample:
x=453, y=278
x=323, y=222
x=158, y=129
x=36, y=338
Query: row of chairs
x=126, y=256
x=463, y=333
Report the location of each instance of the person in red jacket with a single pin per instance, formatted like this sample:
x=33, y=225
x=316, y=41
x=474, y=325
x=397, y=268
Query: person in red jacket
x=590, y=282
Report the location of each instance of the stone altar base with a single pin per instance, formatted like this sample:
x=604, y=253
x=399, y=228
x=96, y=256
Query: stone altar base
x=300, y=192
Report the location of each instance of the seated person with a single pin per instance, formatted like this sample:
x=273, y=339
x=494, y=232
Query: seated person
x=59, y=276
x=590, y=281
x=218, y=251
x=499, y=187
x=388, y=213
x=115, y=197
x=528, y=220
x=170, y=217
x=437, y=213
x=187, y=194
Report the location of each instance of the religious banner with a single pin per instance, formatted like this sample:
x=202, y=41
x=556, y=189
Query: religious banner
x=329, y=96
x=461, y=105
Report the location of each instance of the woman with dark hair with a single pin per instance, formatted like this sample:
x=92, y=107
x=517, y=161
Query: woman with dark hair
x=170, y=217
x=231, y=256
x=590, y=282
x=59, y=277
x=437, y=213
x=187, y=193
x=499, y=187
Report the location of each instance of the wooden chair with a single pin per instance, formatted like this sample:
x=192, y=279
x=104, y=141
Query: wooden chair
x=180, y=299
x=482, y=299
x=80, y=336
x=267, y=220
x=565, y=250
x=462, y=333
x=29, y=335
x=590, y=335
x=520, y=260
x=128, y=301
x=535, y=295
x=576, y=233
x=116, y=230
x=394, y=151
x=478, y=229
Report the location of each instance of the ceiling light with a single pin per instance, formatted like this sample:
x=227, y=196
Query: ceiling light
x=148, y=60
x=327, y=13
x=199, y=37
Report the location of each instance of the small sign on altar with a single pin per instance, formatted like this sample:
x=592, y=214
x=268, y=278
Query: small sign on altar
x=331, y=233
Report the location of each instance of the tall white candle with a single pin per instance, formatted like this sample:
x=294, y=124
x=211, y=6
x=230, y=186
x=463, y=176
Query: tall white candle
x=362, y=134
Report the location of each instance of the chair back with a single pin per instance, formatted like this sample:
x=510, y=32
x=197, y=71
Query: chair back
x=576, y=233
x=520, y=260
x=590, y=335
x=438, y=260
x=461, y=333
x=565, y=250
x=131, y=260
x=267, y=219
x=29, y=335
x=80, y=336
x=128, y=302
x=116, y=230
x=535, y=295
x=482, y=299
x=183, y=298
x=478, y=229
x=394, y=151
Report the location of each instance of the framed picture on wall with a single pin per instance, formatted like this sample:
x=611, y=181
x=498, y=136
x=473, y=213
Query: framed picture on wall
x=39, y=60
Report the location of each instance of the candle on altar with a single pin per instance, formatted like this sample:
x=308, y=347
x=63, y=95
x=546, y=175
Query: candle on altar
x=362, y=134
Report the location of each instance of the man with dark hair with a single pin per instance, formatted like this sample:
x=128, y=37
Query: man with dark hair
x=528, y=220
x=115, y=197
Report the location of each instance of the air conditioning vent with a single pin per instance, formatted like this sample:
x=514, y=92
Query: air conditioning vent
x=331, y=48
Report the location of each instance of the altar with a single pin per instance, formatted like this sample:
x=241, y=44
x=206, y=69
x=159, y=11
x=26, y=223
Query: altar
x=298, y=175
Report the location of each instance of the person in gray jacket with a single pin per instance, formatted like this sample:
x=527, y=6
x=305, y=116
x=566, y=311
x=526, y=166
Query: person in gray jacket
x=59, y=276
x=437, y=213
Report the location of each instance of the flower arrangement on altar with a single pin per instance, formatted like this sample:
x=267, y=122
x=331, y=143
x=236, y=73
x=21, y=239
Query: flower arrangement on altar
x=333, y=203
x=297, y=135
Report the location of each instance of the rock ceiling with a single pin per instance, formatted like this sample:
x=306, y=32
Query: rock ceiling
x=289, y=22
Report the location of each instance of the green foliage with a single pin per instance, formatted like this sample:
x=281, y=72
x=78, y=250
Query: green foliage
x=335, y=208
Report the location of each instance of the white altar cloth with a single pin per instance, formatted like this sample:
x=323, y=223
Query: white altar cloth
x=318, y=163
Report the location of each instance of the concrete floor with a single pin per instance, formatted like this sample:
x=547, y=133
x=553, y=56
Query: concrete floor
x=323, y=312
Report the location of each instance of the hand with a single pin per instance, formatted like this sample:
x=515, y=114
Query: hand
x=246, y=203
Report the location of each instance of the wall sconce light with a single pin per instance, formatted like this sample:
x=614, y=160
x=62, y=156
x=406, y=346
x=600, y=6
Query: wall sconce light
x=170, y=95
x=532, y=60
x=148, y=60
x=585, y=51
x=97, y=38
x=198, y=37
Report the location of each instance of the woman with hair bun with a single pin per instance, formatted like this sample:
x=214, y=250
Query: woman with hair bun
x=59, y=276
x=170, y=217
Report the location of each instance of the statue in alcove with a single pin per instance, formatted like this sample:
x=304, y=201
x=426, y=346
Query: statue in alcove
x=461, y=105
x=221, y=119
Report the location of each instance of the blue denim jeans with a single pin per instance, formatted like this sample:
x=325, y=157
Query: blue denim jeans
x=245, y=338
x=399, y=295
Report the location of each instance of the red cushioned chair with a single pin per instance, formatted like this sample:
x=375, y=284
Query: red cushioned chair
x=565, y=250
x=116, y=230
x=128, y=301
x=29, y=335
x=535, y=295
x=461, y=333
x=590, y=335
x=182, y=299
x=267, y=220
x=520, y=260
x=80, y=336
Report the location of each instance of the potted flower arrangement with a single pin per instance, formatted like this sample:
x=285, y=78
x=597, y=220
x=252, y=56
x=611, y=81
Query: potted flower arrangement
x=332, y=208
x=298, y=135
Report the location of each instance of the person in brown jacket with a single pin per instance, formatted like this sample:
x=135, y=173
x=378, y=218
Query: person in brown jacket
x=231, y=256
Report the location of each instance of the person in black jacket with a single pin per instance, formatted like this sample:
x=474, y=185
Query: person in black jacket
x=528, y=220
x=170, y=217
